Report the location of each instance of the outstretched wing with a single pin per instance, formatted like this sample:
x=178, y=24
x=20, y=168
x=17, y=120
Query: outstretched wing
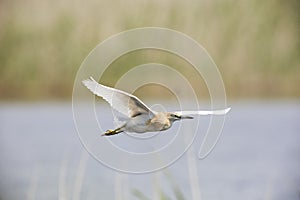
x=204, y=112
x=121, y=101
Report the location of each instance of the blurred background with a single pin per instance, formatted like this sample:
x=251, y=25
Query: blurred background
x=255, y=45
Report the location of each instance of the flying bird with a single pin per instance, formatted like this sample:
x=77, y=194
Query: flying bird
x=139, y=117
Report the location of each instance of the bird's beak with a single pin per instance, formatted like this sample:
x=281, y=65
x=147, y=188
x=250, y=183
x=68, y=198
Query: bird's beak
x=186, y=117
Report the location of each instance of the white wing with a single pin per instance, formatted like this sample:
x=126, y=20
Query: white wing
x=204, y=112
x=121, y=101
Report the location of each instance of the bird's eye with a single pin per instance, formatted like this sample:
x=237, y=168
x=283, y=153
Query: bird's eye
x=175, y=116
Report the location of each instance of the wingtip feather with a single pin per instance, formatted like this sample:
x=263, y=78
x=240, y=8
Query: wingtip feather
x=227, y=110
x=86, y=81
x=91, y=78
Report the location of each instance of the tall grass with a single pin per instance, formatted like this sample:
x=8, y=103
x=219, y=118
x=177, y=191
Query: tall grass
x=255, y=43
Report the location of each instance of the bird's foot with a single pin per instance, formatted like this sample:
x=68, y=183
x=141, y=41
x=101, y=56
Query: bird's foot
x=108, y=132
x=111, y=132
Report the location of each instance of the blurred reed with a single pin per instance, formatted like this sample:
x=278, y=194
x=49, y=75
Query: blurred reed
x=254, y=43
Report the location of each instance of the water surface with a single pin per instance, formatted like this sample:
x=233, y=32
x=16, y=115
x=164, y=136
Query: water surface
x=257, y=157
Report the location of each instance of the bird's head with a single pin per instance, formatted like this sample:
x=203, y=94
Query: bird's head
x=174, y=117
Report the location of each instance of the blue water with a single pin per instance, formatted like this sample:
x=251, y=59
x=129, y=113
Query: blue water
x=257, y=157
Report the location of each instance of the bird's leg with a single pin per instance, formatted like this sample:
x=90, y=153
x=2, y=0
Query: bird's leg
x=112, y=132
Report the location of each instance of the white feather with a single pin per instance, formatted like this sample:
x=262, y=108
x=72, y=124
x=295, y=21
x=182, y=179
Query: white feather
x=204, y=112
x=121, y=101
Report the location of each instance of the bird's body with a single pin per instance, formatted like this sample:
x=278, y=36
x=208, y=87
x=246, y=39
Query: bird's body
x=139, y=118
x=138, y=124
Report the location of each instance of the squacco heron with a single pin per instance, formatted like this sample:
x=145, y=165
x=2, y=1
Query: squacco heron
x=139, y=117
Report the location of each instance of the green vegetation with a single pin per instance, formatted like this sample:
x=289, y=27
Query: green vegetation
x=255, y=44
x=162, y=195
